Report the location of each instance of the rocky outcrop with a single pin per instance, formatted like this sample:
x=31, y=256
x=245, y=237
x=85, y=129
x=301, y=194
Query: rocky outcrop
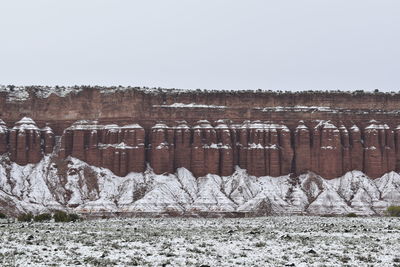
x=205, y=151
x=25, y=142
x=272, y=137
x=120, y=149
x=162, y=148
x=262, y=148
x=327, y=150
x=61, y=106
x=269, y=149
x=379, y=150
x=302, y=148
x=3, y=137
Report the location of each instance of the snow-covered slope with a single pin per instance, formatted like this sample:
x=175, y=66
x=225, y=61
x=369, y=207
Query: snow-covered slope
x=75, y=185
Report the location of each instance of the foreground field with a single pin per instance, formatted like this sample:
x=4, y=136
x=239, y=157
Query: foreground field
x=267, y=241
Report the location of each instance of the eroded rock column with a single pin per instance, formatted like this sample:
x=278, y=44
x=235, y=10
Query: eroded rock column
x=302, y=148
x=3, y=137
x=25, y=142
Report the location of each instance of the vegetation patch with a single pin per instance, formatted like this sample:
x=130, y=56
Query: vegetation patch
x=42, y=217
x=61, y=216
x=26, y=217
x=394, y=211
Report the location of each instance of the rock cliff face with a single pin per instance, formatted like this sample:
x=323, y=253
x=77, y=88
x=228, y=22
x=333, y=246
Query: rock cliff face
x=262, y=148
x=25, y=141
x=201, y=132
x=119, y=149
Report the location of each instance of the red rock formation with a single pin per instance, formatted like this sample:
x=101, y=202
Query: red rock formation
x=47, y=136
x=225, y=147
x=182, y=153
x=146, y=106
x=120, y=149
x=205, y=154
x=256, y=154
x=327, y=150
x=379, y=151
x=3, y=137
x=272, y=151
x=260, y=146
x=198, y=154
x=302, y=148
x=356, y=149
x=25, y=142
x=345, y=141
x=160, y=159
x=263, y=148
x=286, y=151
x=373, y=151
x=269, y=149
x=243, y=145
x=134, y=138
x=397, y=148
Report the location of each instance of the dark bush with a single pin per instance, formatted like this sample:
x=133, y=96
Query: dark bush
x=394, y=211
x=73, y=217
x=61, y=216
x=26, y=217
x=351, y=215
x=42, y=217
x=2, y=215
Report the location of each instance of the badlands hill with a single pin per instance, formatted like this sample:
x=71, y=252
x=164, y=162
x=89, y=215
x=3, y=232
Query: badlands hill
x=135, y=151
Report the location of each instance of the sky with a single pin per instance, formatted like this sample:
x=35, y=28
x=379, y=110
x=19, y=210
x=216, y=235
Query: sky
x=207, y=44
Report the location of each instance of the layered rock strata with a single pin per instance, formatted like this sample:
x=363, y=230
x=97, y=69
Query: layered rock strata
x=120, y=149
x=271, y=149
x=25, y=142
x=3, y=137
x=262, y=148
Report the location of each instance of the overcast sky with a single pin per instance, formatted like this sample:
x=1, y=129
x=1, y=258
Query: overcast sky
x=209, y=44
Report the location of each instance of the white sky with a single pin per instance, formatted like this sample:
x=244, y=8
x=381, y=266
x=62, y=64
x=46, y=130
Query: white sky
x=211, y=44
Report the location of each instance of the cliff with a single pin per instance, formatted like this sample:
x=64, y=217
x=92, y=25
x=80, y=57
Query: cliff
x=262, y=148
x=268, y=134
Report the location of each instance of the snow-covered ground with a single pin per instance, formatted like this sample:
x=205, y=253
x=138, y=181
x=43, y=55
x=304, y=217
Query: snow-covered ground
x=263, y=241
x=74, y=185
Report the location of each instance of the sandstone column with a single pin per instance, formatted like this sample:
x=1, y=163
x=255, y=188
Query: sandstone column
x=302, y=148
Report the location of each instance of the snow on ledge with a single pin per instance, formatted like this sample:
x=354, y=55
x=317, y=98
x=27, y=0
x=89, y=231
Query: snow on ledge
x=191, y=105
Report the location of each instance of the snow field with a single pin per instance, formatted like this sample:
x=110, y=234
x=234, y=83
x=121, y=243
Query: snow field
x=263, y=241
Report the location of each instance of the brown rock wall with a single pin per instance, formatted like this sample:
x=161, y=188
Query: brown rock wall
x=120, y=149
x=4, y=135
x=262, y=147
x=24, y=141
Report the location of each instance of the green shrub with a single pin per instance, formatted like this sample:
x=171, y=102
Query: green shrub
x=351, y=215
x=394, y=211
x=2, y=215
x=26, y=217
x=61, y=216
x=42, y=217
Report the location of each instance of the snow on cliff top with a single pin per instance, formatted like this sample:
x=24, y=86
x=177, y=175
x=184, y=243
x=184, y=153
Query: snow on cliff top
x=23, y=92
